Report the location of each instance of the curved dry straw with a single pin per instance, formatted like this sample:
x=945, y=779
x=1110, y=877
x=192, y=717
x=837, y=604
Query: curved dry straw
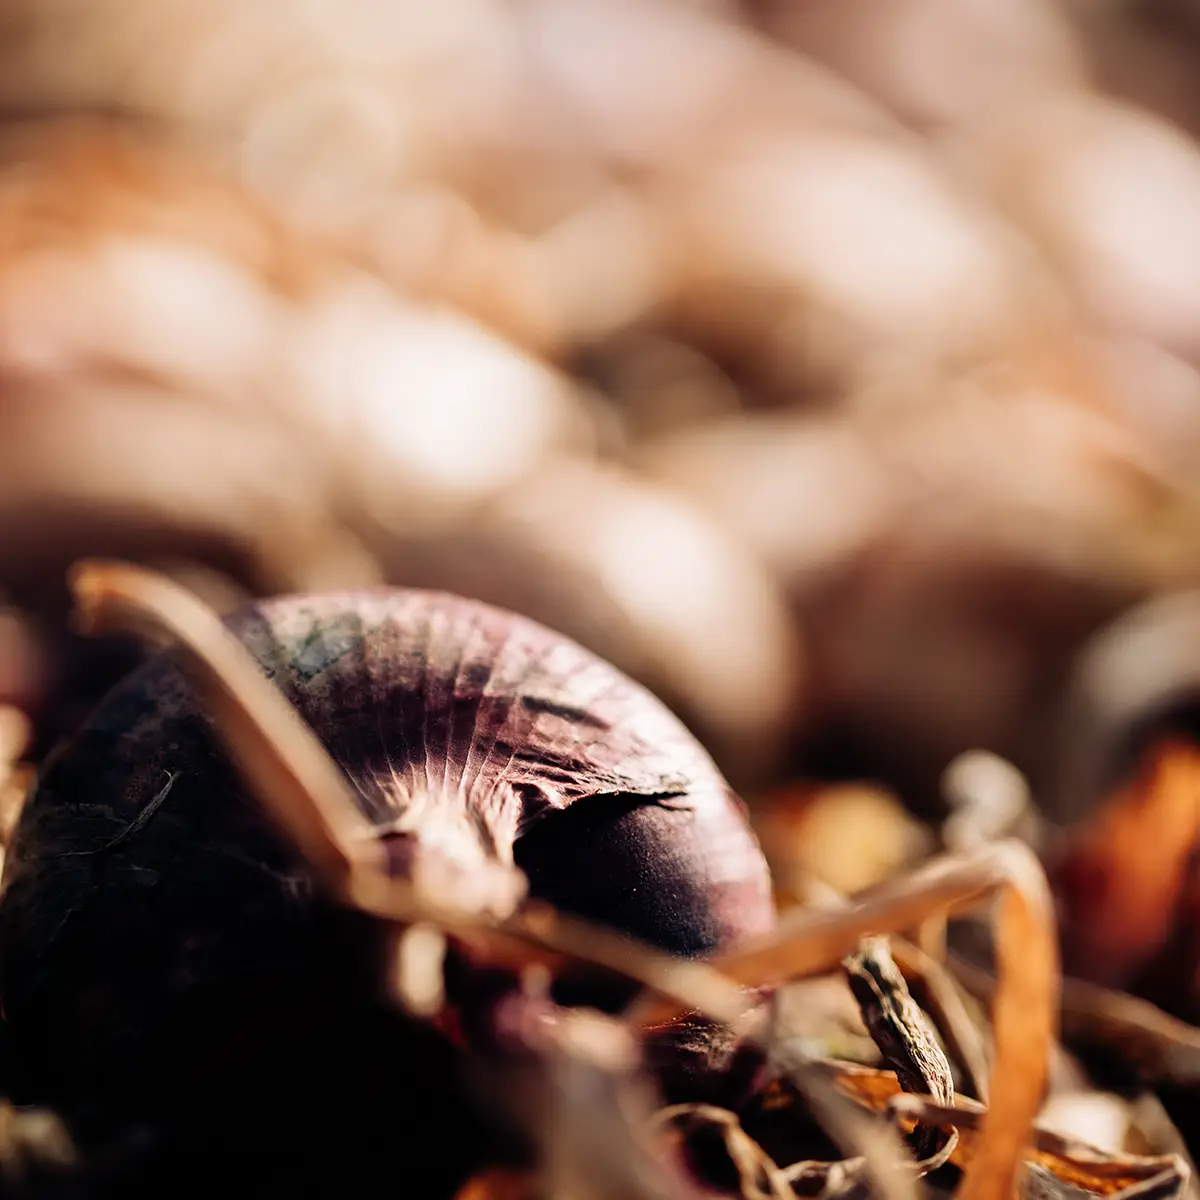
x=1025, y=1004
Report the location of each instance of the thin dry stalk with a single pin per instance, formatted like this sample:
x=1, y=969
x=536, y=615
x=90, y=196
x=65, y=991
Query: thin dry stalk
x=941, y=998
x=1104, y=1172
x=759, y=1176
x=301, y=788
x=15, y=733
x=1162, y=1048
x=880, y=1150
x=1025, y=1005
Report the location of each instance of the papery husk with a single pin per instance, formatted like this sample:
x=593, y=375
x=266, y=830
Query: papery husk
x=981, y=533
x=469, y=736
x=642, y=579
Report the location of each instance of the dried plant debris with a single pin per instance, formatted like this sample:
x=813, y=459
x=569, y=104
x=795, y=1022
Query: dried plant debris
x=716, y=1148
x=500, y=1184
x=901, y=1030
x=1124, y=877
x=704, y=1087
x=958, y=1018
x=1156, y=1046
x=1070, y=1163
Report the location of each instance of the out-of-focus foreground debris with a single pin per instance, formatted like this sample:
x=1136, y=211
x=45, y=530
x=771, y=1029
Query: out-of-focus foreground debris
x=831, y=368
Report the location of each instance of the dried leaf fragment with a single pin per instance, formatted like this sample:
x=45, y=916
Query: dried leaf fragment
x=1025, y=1006
x=1065, y=1160
x=900, y=1029
x=1122, y=877
x=500, y=1184
x=1160, y=1047
x=706, y=1136
x=942, y=996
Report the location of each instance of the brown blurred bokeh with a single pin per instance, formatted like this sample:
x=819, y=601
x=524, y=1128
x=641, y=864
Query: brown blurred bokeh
x=832, y=368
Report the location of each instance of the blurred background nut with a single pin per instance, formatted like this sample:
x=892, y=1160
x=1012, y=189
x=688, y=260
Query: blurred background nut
x=975, y=541
x=632, y=571
x=1143, y=52
x=187, y=377
x=935, y=63
x=821, y=259
x=1110, y=192
x=832, y=368
x=172, y=275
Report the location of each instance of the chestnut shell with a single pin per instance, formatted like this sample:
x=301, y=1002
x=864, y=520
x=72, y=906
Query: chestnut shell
x=150, y=959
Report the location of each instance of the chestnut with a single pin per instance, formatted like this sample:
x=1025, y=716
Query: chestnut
x=168, y=958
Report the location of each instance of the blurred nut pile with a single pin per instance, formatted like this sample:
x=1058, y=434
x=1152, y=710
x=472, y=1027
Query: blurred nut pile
x=833, y=368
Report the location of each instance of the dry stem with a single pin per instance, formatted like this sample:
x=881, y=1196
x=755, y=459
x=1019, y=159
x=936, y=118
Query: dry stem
x=1025, y=1004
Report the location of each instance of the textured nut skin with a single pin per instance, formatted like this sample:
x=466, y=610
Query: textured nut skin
x=485, y=734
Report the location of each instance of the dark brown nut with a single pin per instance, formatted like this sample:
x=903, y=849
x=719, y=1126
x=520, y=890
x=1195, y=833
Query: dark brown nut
x=165, y=953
